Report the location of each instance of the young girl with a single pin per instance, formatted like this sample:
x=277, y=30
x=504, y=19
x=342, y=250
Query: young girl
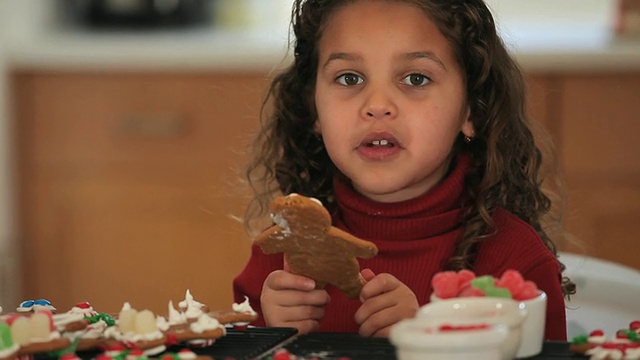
x=406, y=119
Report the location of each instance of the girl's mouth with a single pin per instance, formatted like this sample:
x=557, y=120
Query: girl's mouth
x=379, y=146
x=380, y=143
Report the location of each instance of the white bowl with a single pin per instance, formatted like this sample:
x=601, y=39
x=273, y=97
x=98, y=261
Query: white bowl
x=415, y=340
x=534, y=325
x=489, y=310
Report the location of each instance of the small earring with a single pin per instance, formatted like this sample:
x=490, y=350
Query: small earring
x=468, y=139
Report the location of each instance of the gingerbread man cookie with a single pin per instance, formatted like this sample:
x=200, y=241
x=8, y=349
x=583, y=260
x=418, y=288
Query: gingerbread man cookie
x=314, y=248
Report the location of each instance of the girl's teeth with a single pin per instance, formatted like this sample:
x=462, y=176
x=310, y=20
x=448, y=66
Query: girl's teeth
x=380, y=142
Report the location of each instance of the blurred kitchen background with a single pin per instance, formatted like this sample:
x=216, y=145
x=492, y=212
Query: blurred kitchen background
x=122, y=126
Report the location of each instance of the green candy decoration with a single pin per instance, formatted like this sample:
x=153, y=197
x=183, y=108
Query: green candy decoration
x=484, y=283
x=580, y=339
x=108, y=319
x=498, y=292
x=6, y=340
x=487, y=284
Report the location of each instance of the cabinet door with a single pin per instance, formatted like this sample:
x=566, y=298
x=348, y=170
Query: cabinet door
x=129, y=185
x=600, y=123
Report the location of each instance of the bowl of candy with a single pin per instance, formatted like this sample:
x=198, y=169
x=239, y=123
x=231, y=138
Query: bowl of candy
x=488, y=310
x=415, y=339
x=511, y=285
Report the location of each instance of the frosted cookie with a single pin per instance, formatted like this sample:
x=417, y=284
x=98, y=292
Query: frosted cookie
x=312, y=247
x=240, y=315
x=8, y=348
x=200, y=331
x=191, y=307
x=84, y=324
x=137, y=330
x=624, y=345
x=36, y=333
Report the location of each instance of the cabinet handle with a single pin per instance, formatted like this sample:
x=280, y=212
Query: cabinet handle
x=151, y=125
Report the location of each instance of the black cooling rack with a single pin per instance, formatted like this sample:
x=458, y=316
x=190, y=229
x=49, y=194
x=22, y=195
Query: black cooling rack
x=246, y=344
x=341, y=345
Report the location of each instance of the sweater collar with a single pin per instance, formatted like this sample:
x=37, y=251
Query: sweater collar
x=435, y=212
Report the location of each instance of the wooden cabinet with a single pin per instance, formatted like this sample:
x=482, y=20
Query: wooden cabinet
x=129, y=185
x=598, y=116
x=594, y=120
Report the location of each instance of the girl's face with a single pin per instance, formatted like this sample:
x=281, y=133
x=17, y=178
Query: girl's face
x=390, y=98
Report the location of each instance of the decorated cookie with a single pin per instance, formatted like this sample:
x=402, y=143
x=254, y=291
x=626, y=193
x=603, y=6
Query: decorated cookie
x=36, y=333
x=239, y=316
x=624, y=345
x=83, y=325
x=201, y=330
x=312, y=247
x=8, y=348
x=189, y=304
x=136, y=330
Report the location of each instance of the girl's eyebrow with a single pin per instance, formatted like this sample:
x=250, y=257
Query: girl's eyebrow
x=428, y=55
x=341, y=56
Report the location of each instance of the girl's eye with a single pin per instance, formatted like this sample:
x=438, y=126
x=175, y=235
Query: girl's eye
x=416, y=80
x=349, y=79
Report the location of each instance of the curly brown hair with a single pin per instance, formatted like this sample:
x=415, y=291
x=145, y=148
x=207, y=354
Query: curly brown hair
x=507, y=158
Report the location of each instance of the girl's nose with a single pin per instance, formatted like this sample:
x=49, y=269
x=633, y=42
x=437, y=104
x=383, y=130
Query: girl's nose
x=379, y=104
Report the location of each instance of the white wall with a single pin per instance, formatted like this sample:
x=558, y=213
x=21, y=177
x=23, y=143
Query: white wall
x=8, y=256
x=20, y=21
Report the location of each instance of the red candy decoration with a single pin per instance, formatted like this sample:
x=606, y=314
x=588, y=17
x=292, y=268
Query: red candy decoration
x=449, y=327
x=282, y=354
x=635, y=325
x=465, y=276
x=529, y=291
x=69, y=356
x=83, y=305
x=511, y=280
x=445, y=284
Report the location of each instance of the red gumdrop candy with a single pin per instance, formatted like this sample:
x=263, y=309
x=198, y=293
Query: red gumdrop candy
x=465, y=276
x=634, y=325
x=596, y=332
x=511, y=280
x=445, y=284
x=529, y=291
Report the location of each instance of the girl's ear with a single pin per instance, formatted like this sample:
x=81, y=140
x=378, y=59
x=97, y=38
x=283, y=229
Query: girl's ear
x=316, y=128
x=467, y=129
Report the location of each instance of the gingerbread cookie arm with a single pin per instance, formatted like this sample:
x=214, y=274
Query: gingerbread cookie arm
x=265, y=240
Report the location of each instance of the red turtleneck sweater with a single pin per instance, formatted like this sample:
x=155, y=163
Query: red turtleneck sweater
x=415, y=238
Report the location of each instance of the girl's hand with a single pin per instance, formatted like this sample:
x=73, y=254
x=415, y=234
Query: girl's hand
x=291, y=300
x=385, y=301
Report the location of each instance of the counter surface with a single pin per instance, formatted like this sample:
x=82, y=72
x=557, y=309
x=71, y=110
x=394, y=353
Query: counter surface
x=537, y=48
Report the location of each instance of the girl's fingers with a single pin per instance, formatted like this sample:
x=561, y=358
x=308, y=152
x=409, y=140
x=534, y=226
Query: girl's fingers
x=367, y=274
x=282, y=280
